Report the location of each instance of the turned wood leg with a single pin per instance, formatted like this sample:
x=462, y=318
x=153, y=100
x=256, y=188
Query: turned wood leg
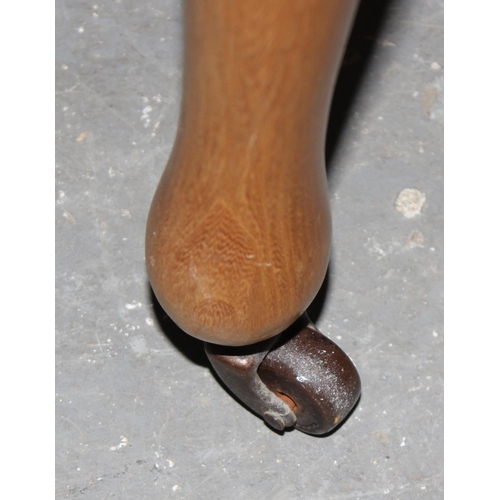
x=238, y=235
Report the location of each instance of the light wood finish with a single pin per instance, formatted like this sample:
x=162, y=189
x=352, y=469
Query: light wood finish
x=238, y=235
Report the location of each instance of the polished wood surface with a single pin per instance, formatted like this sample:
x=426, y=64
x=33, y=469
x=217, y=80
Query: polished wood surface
x=238, y=235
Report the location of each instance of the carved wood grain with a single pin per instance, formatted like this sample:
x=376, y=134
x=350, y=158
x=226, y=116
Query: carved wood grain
x=238, y=235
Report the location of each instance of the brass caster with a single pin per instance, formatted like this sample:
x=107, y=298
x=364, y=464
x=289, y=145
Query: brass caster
x=299, y=379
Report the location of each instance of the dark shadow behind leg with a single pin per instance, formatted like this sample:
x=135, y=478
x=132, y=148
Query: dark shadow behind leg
x=191, y=348
x=360, y=47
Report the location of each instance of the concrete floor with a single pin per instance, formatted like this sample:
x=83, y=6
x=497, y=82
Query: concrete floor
x=139, y=413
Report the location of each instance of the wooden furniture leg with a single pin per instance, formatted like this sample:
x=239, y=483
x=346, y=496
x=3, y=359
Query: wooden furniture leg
x=238, y=235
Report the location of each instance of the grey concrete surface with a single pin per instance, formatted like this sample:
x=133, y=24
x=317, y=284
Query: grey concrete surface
x=138, y=412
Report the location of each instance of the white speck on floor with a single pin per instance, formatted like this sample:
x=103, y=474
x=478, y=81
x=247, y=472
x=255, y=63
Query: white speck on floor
x=145, y=115
x=374, y=248
x=61, y=196
x=410, y=202
x=123, y=443
x=133, y=305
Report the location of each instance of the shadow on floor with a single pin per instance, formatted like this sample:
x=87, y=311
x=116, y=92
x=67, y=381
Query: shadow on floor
x=362, y=42
x=190, y=347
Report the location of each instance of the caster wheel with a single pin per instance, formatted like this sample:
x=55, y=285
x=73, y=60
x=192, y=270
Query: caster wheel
x=314, y=377
x=300, y=379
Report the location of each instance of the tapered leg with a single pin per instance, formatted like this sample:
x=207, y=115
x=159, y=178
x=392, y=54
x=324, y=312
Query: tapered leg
x=239, y=231
x=238, y=235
